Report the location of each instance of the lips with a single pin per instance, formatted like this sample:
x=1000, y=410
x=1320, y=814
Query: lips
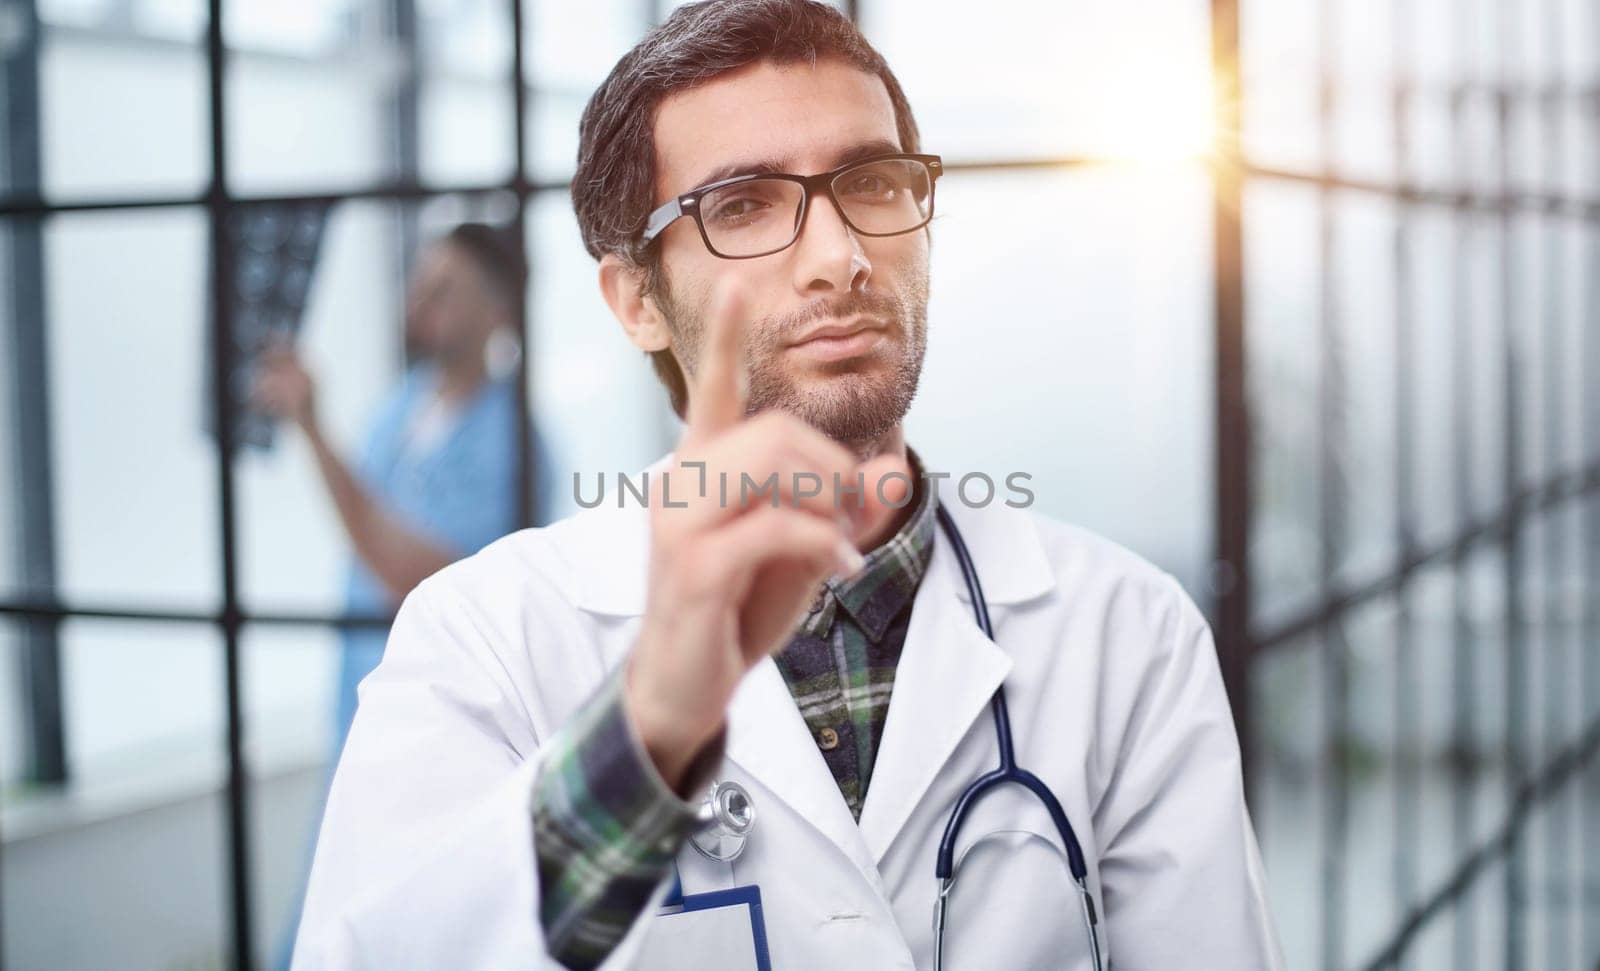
x=834, y=344
x=837, y=331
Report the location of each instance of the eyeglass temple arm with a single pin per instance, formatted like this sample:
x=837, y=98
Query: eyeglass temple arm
x=663, y=217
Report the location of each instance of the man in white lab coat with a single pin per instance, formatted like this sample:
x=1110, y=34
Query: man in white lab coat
x=522, y=779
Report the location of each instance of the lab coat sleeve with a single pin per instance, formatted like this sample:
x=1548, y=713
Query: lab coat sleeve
x=1180, y=872
x=426, y=857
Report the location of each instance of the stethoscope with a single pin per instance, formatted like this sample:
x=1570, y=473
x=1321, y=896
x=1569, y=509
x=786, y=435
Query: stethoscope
x=727, y=815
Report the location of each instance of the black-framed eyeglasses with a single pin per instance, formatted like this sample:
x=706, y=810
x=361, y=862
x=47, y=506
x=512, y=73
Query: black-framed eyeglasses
x=757, y=215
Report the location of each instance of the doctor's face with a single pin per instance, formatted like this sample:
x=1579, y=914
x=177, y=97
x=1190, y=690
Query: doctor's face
x=871, y=292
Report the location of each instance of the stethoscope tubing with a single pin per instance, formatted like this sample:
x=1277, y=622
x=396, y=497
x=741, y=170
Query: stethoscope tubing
x=1008, y=772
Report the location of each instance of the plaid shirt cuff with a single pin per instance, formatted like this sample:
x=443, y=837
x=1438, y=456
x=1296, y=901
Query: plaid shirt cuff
x=606, y=827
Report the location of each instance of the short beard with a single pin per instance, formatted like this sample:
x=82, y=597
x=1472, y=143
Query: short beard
x=858, y=410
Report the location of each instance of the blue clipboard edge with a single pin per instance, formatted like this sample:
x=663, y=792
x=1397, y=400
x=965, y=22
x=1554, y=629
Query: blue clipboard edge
x=749, y=895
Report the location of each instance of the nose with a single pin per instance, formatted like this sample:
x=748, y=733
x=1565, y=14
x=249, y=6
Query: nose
x=828, y=255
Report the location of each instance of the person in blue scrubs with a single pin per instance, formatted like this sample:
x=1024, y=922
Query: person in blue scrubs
x=436, y=479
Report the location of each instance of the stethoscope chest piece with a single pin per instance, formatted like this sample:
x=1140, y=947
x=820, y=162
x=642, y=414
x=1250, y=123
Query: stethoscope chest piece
x=725, y=820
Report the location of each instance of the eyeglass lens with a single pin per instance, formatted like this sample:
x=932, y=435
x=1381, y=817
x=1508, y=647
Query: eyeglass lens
x=761, y=216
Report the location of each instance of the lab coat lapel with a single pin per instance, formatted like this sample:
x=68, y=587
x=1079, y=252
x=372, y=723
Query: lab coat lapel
x=769, y=739
x=948, y=671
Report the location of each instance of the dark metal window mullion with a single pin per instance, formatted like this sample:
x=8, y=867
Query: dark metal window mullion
x=34, y=507
x=30, y=382
x=528, y=503
x=218, y=208
x=1231, y=579
x=405, y=115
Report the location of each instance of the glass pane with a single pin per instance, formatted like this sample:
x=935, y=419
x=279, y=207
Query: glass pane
x=1479, y=143
x=1431, y=149
x=1103, y=81
x=311, y=95
x=291, y=679
x=1434, y=281
x=1128, y=334
x=468, y=131
x=1434, y=712
x=1431, y=948
x=123, y=101
x=1371, y=779
x=1289, y=802
x=1283, y=284
x=467, y=127
x=1482, y=329
x=124, y=867
x=1363, y=367
x=1363, y=129
x=13, y=711
x=1363, y=68
x=1528, y=137
x=1484, y=632
x=135, y=468
x=1530, y=277
x=596, y=401
x=1433, y=28
x=78, y=13
x=1578, y=303
x=568, y=50
x=1483, y=24
x=1278, y=57
x=1580, y=147
x=1487, y=919
x=1554, y=662
x=1536, y=652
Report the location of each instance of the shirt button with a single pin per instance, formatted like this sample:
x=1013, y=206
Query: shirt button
x=828, y=739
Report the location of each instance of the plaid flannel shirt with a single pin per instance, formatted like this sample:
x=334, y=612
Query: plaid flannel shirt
x=606, y=825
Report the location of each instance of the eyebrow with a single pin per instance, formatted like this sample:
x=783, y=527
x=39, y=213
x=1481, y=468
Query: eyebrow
x=777, y=166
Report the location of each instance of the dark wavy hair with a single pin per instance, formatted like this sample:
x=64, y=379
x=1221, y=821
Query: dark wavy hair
x=494, y=252
x=613, y=186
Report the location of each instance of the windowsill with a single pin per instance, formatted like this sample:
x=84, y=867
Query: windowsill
x=157, y=776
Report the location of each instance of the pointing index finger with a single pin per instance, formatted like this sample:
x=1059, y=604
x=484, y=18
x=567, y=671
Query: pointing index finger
x=718, y=394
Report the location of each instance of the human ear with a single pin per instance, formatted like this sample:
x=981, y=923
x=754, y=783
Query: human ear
x=622, y=285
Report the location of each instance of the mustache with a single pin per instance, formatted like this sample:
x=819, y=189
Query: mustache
x=855, y=304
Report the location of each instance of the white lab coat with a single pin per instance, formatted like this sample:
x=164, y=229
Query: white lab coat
x=426, y=855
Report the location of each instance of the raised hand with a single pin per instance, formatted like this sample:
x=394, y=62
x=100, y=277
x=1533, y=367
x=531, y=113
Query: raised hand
x=729, y=581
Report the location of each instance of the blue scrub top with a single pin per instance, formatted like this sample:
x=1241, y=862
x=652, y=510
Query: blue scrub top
x=461, y=494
